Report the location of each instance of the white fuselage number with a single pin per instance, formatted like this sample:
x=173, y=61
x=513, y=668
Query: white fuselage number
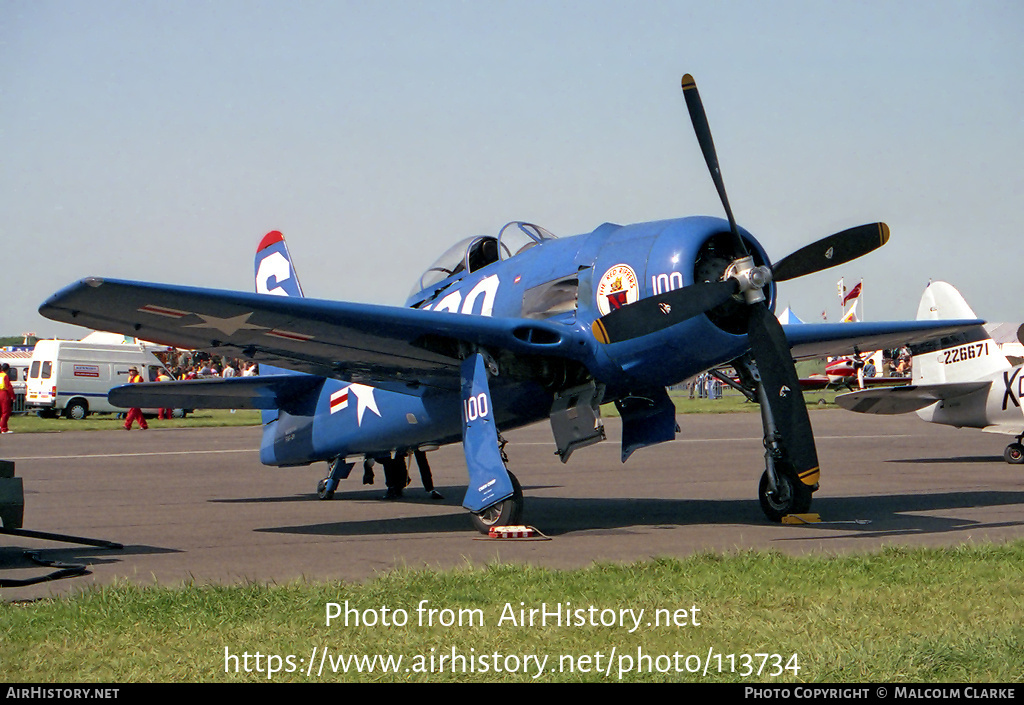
x=660, y=283
x=475, y=407
x=486, y=289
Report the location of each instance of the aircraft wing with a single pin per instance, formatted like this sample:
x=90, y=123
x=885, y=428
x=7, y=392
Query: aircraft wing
x=824, y=339
x=391, y=347
x=901, y=400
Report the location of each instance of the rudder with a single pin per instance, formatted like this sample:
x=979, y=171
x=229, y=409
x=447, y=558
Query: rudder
x=275, y=273
x=963, y=357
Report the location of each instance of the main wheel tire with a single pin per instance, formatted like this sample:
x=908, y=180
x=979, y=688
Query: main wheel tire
x=1014, y=454
x=507, y=512
x=790, y=497
x=76, y=410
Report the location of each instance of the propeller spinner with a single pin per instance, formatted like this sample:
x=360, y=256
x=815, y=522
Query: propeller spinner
x=791, y=458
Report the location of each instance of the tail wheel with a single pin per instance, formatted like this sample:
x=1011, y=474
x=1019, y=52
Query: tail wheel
x=321, y=490
x=507, y=512
x=790, y=497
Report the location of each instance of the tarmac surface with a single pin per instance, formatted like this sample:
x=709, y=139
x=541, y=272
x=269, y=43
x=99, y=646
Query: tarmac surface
x=196, y=505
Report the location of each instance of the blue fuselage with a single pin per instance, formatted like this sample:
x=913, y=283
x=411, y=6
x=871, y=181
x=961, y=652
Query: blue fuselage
x=564, y=281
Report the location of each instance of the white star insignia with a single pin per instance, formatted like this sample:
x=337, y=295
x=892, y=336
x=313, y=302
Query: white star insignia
x=227, y=326
x=364, y=400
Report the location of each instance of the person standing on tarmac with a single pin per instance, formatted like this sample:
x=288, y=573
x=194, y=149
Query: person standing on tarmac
x=425, y=475
x=6, y=397
x=135, y=413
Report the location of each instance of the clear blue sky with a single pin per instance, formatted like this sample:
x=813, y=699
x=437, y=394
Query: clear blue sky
x=160, y=140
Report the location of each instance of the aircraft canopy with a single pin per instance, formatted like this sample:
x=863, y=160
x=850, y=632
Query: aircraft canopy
x=478, y=251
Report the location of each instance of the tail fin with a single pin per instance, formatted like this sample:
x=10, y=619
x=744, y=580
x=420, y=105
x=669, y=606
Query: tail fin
x=964, y=357
x=274, y=271
x=275, y=275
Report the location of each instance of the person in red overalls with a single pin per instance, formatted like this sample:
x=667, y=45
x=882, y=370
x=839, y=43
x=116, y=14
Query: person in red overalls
x=6, y=397
x=135, y=413
x=164, y=414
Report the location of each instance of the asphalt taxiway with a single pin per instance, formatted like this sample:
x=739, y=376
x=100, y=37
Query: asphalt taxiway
x=196, y=505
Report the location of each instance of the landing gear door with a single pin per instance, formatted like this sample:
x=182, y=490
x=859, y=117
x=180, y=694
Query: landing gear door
x=647, y=419
x=576, y=418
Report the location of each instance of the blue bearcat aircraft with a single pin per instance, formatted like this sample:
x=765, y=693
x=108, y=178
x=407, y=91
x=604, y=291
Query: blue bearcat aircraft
x=503, y=331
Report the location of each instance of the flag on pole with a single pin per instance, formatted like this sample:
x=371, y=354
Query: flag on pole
x=854, y=293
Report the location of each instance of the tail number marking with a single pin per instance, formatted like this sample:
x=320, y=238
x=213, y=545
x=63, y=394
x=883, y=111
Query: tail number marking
x=963, y=353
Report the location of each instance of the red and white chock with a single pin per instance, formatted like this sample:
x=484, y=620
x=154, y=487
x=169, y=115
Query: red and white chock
x=511, y=532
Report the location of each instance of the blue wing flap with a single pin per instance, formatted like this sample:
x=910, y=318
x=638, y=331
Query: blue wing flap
x=391, y=347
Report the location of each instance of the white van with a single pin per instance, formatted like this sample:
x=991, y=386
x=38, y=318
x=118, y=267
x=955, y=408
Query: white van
x=73, y=377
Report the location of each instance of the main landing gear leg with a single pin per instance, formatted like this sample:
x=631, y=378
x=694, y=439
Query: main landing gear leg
x=780, y=490
x=339, y=471
x=494, y=496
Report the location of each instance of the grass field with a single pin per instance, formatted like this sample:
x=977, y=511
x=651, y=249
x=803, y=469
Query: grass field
x=902, y=615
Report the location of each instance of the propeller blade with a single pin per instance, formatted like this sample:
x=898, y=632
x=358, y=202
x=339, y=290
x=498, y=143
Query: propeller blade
x=770, y=350
x=831, y=251
x=699, y=119
x=656, y=313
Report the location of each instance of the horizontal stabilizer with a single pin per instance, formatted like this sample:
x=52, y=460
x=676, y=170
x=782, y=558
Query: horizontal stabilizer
x=902, y=400
x=268, y=392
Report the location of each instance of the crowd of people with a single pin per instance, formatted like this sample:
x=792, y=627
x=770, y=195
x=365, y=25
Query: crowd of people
x=189, y=364
x=900, y=363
